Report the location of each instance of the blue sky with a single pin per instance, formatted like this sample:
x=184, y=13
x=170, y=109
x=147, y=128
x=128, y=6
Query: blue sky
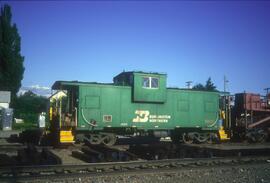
x=190, y=41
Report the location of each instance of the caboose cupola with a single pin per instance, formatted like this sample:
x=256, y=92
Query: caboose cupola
x=147, y=87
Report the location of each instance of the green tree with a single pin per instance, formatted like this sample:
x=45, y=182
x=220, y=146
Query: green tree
x=29, y=105
x=11, y=61
x=209, y=86
x=198, y=87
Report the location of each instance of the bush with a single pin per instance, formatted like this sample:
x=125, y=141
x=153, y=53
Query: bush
x=28, y=107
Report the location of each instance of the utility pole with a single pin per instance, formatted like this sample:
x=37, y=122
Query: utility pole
x=225, y=83
x=226, y=103
x=189, y=84
x=267, y=97
x=267, y=90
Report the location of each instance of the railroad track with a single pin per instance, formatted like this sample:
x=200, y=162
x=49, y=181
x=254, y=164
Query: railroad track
x=10, y=145
x=15, y=147
x=97, y=169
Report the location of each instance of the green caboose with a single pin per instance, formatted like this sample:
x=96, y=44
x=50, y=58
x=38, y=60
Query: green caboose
x=135, y=104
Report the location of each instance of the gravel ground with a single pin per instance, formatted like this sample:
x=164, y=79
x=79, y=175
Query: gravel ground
x=234, y=174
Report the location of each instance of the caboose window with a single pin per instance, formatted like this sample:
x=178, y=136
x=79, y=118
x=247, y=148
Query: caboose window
x=154, y=82
x=146, y=82
x=149, y=82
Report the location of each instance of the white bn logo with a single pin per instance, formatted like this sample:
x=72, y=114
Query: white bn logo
x=142, y=116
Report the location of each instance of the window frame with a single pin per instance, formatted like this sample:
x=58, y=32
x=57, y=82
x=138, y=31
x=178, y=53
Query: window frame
x=143, y=82
x=150, y=82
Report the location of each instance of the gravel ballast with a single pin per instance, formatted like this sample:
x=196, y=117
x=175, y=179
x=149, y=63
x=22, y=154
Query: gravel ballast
x=255, y=173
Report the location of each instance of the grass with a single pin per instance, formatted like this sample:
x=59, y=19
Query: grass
x=24, y=126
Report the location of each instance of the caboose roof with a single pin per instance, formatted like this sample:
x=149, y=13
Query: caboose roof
x=63, y=85
x=140, y=72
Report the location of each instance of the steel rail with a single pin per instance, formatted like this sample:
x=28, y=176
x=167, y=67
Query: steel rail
x=89, y=169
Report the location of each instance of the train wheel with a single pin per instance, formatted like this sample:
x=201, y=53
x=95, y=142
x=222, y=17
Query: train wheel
x=256, y=136
x=261, y=137
x=95, y=139
x=109, y=139
x=187, y=138
x=201, y=137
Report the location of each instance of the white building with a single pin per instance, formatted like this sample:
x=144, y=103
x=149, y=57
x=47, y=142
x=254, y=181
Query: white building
x=4, y=99
x=58, y=95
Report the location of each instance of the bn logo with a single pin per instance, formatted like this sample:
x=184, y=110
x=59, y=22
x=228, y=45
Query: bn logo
x=142, y=116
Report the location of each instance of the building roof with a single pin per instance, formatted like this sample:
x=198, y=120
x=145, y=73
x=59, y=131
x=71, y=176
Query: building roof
x=5, y=96
x=58, y=95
